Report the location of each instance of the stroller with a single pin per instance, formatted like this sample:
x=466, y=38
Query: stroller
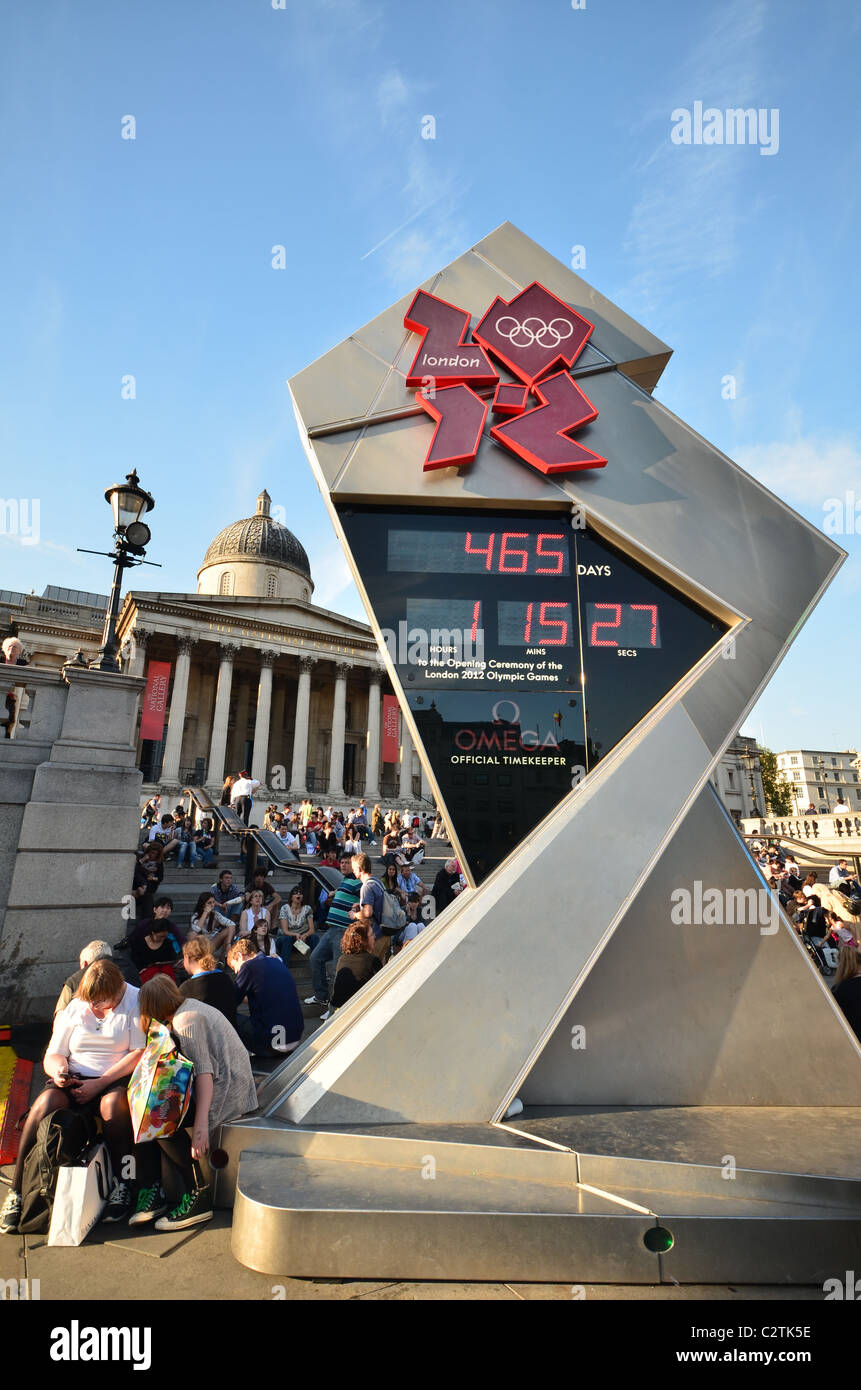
x=823, y=954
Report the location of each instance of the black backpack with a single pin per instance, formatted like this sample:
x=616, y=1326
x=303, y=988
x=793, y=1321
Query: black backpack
x=63, y=1137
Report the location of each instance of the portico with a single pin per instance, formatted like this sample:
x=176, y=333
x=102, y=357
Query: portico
x=265, y=680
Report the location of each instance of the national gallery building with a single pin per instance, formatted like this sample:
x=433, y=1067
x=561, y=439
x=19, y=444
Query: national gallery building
x=255, y=675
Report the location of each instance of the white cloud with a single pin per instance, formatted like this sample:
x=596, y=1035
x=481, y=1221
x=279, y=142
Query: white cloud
x=393, y=95
x=805, y=470
x=687, y=218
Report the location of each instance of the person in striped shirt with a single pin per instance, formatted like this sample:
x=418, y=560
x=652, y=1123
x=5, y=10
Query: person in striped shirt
x=338, y=919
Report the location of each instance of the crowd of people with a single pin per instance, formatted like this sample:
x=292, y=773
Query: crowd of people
x=827, y=917
x=222, y=984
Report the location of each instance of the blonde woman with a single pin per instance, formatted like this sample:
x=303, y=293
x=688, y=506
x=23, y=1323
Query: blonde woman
x=847, y=986
x=171, y=1188
x=205, y=981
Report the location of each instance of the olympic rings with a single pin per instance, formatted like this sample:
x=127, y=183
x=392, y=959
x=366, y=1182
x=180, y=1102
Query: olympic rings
x=522, y=336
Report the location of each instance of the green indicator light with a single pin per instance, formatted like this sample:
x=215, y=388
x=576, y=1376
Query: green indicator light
x=658, y=1240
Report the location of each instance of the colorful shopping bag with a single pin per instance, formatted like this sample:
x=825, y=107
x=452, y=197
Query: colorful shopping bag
x=159, y=1088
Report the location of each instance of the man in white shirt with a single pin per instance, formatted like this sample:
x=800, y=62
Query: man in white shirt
x=841, y=874
x=242, y=794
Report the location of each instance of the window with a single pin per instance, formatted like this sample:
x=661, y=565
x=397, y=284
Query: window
x=833, y=762
x=731, y=778
x=225, y=583
x=820, y=792
x=793, y=760
x=272, y=586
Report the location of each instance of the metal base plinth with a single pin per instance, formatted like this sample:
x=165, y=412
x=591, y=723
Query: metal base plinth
x=474, y=1203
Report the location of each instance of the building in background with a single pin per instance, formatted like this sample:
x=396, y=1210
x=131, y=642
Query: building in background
x=245, y=673
x=54, y=626
x=823, y=779
x=738, y=779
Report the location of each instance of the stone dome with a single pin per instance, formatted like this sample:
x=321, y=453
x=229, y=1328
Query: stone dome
x=251, y=556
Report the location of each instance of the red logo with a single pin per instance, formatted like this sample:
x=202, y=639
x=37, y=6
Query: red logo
x=540, y=436
x=533, y=333
x=537, y=338
x=444, y=355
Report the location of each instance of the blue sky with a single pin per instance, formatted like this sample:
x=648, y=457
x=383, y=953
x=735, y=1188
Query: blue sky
x=259, y=126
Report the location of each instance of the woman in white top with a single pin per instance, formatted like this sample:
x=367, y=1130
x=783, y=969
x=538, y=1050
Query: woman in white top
x=95, y=1046
x=255, y=919
x=207, y=921
x=295, y=921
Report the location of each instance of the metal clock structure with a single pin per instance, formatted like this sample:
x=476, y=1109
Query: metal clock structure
x=610, y=594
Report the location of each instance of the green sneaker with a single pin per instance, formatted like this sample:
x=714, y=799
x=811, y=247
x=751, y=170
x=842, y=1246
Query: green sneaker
x=150, y=1204
x=193, y=1210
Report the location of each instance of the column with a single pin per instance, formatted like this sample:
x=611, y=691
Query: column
x=299, y=768
x=335, y=790
x=260, y=754
x=137, y=640
x=372, y=761
x=176, y=717
x=405, y=790
x=276, y=732
x=218, y=743
x=427, y=794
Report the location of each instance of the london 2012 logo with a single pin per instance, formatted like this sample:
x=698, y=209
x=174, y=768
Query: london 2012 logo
x=536, y=338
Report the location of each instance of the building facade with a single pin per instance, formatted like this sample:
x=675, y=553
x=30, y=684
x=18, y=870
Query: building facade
x=738, y=779
x=822, y=779
x=54, y=625
x=258, y=676
x=261, y=678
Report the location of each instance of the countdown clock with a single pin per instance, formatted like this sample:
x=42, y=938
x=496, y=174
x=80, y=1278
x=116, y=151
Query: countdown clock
x=526, y=648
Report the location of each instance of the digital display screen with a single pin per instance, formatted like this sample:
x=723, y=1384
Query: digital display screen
x=623, y=625
x=526, y=648
x=506, y=550
x=463, y=615
x=539, y=622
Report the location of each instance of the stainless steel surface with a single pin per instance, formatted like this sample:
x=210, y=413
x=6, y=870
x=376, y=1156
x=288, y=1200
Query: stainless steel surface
x=817, y=1140
x=700, y=1014
x=344, y=1205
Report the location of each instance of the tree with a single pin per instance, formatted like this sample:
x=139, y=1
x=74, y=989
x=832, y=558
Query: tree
x=778, y=791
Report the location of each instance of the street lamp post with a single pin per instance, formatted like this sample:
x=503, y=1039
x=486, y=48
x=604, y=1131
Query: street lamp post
x=129, y=502
x=748, y=756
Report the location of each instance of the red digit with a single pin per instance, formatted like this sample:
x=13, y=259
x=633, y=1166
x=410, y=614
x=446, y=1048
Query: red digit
x=553, y=622
x=653, y=609
x=476, y=612
x=547, y=554
x=528, y=629
x=477, y=550
x=601, y=641
x=505, y=554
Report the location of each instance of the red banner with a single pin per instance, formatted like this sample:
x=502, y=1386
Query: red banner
x=391, y=741
x=155, y=700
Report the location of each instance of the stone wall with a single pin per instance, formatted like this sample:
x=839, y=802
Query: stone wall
x=69, y=819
